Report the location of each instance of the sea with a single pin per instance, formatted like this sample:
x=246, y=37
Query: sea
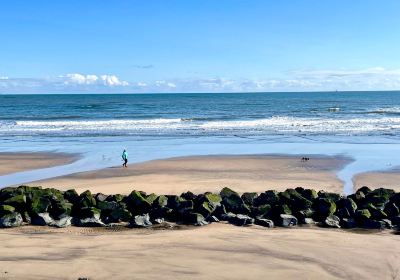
x=364, y=126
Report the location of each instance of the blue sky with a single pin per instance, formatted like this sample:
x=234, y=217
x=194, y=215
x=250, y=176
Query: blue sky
x=199, y=45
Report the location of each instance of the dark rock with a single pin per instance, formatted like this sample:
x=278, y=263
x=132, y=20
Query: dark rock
x=121, y=214
x=329, y=195
x=11, y=220
x=365, y=190
x=72, y=196
x=332, y=221
x=269, y=197
x=151, y=197
x=348, y=223
x=107, y=205
x=260, y=211
x=160, y=201
x=86, y=199
x=137, y=203
x=89, y=212
x=240, y=220
x=60, y=209
x=309, y=194
x=212, y=219
x=194, y=219
x=188, y=196
x=348, y=204
x=40, y=205
x=395, y=221
x=6, y=209
x=307, y=213
x=391, y=210
x=362, y=214
x=115, y=197
x=18, y=202
x=264, y=222
x=324, y=207
x=233, y=202
x=287, y=220
x=249, y=197
x=140, y=221
x=41, y=219
x=374, y=224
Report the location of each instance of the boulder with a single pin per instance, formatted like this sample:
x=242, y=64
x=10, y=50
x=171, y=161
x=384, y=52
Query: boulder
x=324, y=207
x=249, y=197
x=264, y=222
x=188, y=196
x=233, y=202
x=286, y=220
x=348, y=204
x=329, y=195
x=348, y=223
x=61, y=223
x=391, y=209
x=212, y=219
x=365, y=190
x=6, y=209
x=11, y=220
x=89, y=212
x=72, y=196
x=140, y=221
x=269, y=197
x=240, y=220
x=86, y=199
x=260, y=211
x=40, y=204
x=362, y=214
x=41, y=219
x=100, y=197
x=307, y=221
x=160, y=201
x=309, y=194
x=194, y=219
x=395, y=221
x=332, y=221
x=17, y=201
x=137, y=203
x=373, y=224
x=121, y=214
x=107, y=205
x=60, y=209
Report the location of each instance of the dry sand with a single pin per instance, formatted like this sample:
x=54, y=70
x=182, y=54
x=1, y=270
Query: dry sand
x=217, y=251
x=16, y=162
x=390, y=179
x=209, y=173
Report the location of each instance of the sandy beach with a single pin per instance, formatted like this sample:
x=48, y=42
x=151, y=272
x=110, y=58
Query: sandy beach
x=209, y=173
x=388, y=179
x=16, y=162
x=217, y=251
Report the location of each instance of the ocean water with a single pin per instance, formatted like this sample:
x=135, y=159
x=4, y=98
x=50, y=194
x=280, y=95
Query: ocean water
x=187, y=115
x=364, y=126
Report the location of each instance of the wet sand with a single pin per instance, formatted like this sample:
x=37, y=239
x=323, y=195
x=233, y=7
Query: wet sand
x=209, y=173
x=17, y=162
x=217, y=251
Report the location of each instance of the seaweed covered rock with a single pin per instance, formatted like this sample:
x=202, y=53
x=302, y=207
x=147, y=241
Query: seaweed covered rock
x=233, y=202
x=264, y=222
x=238, y=219
x=41, y=219
x=137, y=203
x=324, y=207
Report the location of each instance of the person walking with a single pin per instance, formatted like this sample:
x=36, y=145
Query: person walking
x=125, y=158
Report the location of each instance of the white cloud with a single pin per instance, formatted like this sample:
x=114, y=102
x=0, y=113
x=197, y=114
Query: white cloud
x=377, y=78
x=80, y=79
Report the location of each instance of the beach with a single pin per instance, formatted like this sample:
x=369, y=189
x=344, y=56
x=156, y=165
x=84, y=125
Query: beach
x=17, y=162
x=209, y=173
x=216, y=251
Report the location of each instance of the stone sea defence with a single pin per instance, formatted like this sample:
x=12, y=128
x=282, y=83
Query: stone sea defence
x=366, y=208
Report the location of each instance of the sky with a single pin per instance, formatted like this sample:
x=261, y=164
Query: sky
x=152, y=46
